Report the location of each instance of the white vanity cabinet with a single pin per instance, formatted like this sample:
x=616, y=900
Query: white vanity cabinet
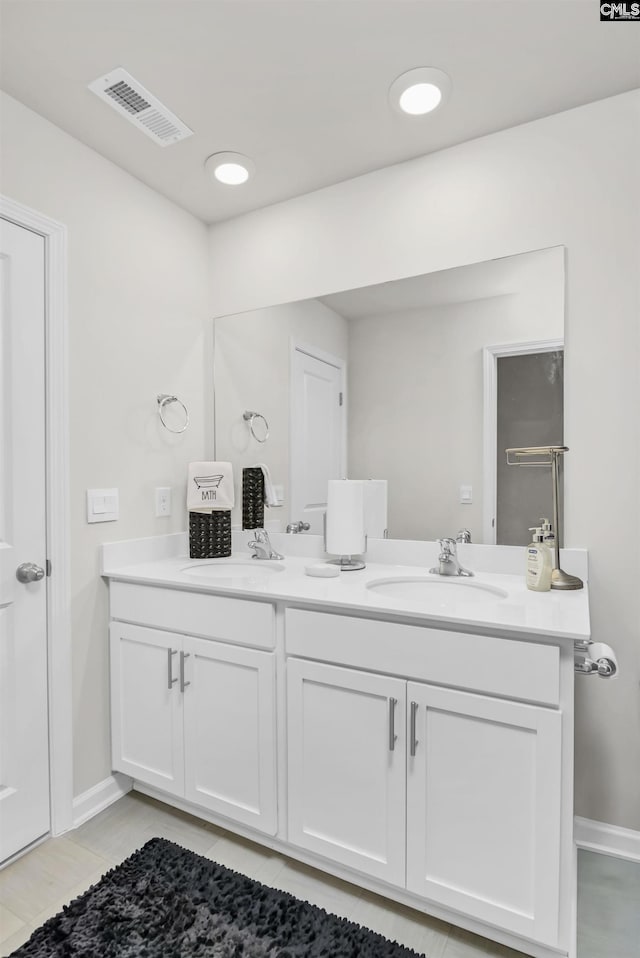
x=347, y=766
x=483, y=808
x=195, y=717
x=450, y=793
x=422, y=761
x=146, y=706
x=230, y=732
x=461, y=789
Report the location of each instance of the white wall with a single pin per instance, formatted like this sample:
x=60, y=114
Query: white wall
x=415, y=403
x=563, y=180
x=138, y=300
x=252, y=359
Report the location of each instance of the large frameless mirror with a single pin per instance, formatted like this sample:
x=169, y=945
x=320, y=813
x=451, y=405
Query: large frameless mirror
x=420, y=382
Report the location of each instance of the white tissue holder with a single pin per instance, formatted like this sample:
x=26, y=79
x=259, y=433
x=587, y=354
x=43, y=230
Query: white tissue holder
x=345, y=563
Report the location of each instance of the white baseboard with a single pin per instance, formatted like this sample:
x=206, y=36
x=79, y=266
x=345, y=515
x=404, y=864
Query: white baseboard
x=607, y=839
x=99, y=797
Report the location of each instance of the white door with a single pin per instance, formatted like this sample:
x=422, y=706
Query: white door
x=147, y=668
x=24, y=747
x=347, y=767
x=318, y=437
x=230, y=732
x=483, y=808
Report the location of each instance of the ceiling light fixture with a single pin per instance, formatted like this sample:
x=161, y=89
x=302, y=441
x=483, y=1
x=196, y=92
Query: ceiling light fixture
x=420, y=91
x=232, y=169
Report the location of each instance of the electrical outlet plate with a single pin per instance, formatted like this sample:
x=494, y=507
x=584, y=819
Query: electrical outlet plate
x=163, y=501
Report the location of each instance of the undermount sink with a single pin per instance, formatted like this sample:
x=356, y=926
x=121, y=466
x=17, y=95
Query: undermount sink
x=443, y=591
x=233, y=569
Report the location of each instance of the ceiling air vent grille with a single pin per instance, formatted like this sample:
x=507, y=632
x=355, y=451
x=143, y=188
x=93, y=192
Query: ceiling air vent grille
x=121, y=91
x=126, y=97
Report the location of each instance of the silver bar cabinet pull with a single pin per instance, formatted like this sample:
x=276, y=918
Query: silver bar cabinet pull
x=412, y=731
x=170, y=679
x=392, y=724
x=183, y=684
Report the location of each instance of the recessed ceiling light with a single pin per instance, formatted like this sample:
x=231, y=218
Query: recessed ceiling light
x=419, y=91
x=232, y=169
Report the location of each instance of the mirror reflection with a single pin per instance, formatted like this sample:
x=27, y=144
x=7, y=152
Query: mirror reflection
x=420, y=383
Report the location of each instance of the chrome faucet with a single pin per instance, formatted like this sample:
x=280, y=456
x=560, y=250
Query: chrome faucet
x=262, y=546
x=448, y=562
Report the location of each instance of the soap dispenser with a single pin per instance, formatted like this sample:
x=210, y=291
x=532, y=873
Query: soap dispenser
x=539, y=562
x=549, y=539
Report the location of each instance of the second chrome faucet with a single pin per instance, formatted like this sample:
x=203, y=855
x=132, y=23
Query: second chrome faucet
x=448, y=562
x=261, y=546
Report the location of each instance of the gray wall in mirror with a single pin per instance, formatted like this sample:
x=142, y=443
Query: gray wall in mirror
x=415, y=353
x=530, y=403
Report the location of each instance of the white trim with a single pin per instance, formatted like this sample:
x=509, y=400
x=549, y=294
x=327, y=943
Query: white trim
x=57, y=495
x=607, y=839
x=490, y=356
x=99, y=797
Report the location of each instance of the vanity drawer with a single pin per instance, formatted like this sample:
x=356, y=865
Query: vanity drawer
x=515, y=669
x=195, y=613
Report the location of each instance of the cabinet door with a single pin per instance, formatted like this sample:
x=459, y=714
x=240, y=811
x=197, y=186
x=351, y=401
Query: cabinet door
x=230, y=731
x=146, y=706
x=483, y=808
x=347, y=767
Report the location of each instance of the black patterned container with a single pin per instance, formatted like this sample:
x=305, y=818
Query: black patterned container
x=210, y=534
x=252, y=498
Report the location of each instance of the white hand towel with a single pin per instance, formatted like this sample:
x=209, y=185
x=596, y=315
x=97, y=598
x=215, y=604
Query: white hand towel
x=210, y=487
x=270, y=498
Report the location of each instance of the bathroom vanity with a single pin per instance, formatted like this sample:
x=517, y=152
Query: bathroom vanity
x=415, y=739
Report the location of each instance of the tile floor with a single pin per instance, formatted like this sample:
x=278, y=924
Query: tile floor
x=41, y=882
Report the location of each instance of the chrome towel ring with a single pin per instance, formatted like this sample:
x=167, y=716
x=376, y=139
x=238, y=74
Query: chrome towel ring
x=165, y=400
x=250, y=417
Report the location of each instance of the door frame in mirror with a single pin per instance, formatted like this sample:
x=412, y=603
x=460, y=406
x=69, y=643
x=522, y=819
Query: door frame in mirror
x=339, y=363
x=490, y=356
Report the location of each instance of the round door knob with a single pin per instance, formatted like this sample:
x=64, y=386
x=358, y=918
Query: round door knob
x=29, y=572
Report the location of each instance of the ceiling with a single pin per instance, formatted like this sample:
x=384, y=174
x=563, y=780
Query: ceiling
x=507, y=276
x=300, y=86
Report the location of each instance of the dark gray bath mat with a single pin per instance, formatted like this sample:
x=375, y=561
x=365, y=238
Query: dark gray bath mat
x=167, y=902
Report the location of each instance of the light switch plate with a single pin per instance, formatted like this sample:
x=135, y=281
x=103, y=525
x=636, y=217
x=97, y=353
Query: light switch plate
x=102, y=505
x=466, y=495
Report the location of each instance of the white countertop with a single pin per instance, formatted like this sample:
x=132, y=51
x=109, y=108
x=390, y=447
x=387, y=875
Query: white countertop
x=554, y=614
